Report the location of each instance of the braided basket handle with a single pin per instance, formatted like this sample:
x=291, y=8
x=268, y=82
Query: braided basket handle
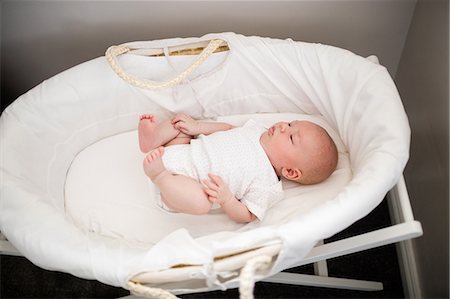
x=246, y=287
x=144, y=291
x=114, y=51
x=247, y=277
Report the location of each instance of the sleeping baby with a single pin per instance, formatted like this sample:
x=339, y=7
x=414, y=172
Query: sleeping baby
x=197, y=164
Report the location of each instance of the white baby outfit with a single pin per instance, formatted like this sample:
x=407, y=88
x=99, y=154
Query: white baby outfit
x=235, y=155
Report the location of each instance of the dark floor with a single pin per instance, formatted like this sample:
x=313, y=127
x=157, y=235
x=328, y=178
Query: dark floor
x=21, y=279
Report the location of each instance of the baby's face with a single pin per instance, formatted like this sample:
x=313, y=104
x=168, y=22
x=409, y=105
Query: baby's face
x=290, y=144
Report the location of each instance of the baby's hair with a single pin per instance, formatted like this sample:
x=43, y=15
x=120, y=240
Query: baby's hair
x=324, y=161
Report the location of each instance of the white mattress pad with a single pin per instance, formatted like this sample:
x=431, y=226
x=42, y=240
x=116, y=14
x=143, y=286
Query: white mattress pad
x=108, y=193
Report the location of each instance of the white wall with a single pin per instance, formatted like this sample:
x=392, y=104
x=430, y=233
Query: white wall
x=423, y=82
x=42, y=38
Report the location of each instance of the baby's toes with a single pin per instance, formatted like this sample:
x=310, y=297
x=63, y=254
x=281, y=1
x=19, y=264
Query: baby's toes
x=148, y=159
x=157, y=153
x=153, y=118
x=151, y=157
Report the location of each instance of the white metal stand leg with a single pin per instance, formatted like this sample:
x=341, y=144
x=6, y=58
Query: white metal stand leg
x=321, y=267
x=358, y=243
x=400, y=211
x=325, y=281
x=321, y=279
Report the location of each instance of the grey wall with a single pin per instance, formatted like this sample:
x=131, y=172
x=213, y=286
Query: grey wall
x=423, y=82
x=42, y=38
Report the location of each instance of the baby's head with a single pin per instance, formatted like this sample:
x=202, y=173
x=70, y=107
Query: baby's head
x=300, y=151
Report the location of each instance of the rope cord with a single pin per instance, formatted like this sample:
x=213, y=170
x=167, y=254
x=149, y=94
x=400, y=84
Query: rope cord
x=247, y=277
x=144, y=291
x=246, y=287
x=114, y=51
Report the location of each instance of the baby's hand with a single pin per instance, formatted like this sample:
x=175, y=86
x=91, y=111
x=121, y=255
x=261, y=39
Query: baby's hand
x=217, y=190
x=186, y=124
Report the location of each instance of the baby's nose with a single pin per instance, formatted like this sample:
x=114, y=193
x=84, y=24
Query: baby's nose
x=283, y=127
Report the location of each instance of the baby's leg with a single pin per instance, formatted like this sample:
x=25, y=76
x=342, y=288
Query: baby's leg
x=180, y=193
x=152, y=134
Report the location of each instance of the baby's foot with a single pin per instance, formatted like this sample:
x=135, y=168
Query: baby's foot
x=146, y=129
x=153, y=165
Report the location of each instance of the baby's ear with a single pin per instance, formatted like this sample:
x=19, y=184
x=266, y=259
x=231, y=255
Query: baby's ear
x=293, y=174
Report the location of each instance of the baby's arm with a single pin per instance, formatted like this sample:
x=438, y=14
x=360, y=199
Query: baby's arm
x=192, y=127
x=218, y=191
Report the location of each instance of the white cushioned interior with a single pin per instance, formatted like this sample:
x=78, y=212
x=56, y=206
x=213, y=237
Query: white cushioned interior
x=107, y=192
